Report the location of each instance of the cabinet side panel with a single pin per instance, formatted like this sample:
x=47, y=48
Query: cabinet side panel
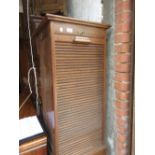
x=104, y=87
x=54, y=90
x=46, y=80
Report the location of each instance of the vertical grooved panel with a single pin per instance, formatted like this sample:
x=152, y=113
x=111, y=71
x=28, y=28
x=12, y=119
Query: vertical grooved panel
x=79, y=84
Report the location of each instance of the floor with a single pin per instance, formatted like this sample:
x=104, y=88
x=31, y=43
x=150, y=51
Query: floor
x=28, y=108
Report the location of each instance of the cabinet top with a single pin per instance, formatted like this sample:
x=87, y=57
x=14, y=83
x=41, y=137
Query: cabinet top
x=64, y=19
x=51, y=18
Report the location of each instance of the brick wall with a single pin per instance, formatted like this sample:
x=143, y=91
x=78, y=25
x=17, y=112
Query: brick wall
x=123, y=74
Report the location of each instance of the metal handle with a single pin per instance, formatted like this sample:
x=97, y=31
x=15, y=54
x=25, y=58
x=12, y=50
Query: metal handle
x=80, y=39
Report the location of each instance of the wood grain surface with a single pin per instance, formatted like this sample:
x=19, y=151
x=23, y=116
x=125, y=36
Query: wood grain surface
x=72, y=83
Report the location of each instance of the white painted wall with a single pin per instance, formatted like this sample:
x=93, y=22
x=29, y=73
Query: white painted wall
x=89, y=10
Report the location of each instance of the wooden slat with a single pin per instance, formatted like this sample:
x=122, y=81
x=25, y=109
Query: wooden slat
x=79, y=82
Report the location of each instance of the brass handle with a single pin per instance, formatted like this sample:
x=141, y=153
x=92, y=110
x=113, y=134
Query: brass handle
x=80, y=39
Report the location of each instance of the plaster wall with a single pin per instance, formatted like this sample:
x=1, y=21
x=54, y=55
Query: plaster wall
x=109, y=17
x=88, y=10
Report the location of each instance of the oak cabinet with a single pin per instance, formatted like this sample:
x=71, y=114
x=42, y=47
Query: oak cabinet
x=72, y=68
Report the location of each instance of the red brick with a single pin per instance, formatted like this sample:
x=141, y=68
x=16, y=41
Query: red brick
x=122, y=151
x=123, y=68
x=124, y=47
x=123, y=27
x=122, y=95
x=121, y=124
x=122, y=77
x=122, y=38
x=118, y=2
x=122, y=86
x=125, y=57
x=121, y=146
x=122, y=112
x=122, y=119
x=123, y=6
x=118, y=48
x=127, y=5
x=121, y=104
x=123, y=17
x=122, y=138
x=122, y=129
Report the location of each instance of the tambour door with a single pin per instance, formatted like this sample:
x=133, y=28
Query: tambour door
x=79, y=81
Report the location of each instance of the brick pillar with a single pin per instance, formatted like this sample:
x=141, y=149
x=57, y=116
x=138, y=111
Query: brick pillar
x=123, y=74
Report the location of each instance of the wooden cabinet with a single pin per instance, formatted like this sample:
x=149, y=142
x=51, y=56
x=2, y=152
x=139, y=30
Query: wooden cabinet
x=72, y=58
